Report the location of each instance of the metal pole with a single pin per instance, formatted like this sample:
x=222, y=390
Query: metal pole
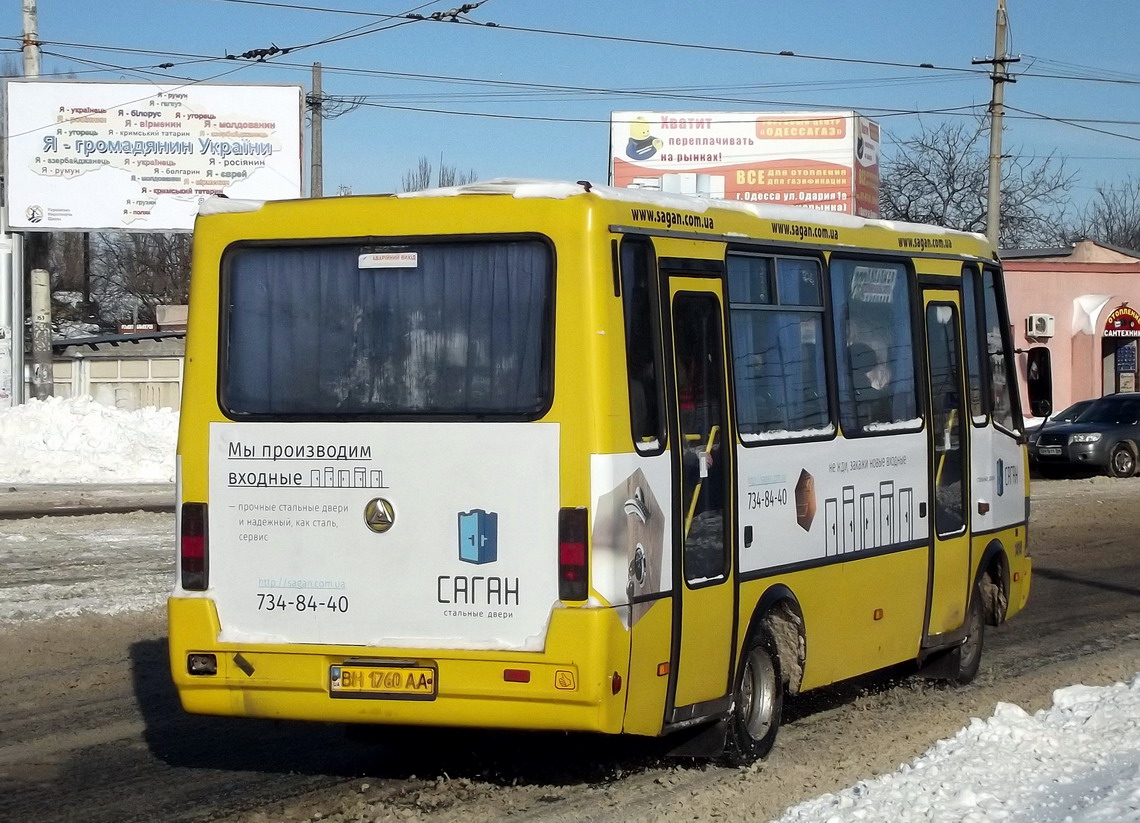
x=993, y=195
x=10, y=373
x=20, y=384
x=316, y=158
x=12, y=246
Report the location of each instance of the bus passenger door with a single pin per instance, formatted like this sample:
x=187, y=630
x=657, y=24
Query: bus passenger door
x=949, y=587
x=702, y=457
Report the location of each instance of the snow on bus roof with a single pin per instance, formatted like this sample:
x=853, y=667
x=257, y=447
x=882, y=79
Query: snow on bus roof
x=524, y=188
x=228, y=205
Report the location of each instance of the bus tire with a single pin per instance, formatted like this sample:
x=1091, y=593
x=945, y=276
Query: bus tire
x=757, y=704
x=969, y=654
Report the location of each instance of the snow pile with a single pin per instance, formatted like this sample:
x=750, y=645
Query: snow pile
x=81, y=441
x=1077, y=762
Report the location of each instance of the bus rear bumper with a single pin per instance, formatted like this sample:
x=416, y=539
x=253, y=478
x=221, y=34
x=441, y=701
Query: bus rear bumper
x=562, y=691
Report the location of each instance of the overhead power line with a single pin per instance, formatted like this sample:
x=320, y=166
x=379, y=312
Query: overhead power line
x=1094, y=75
x=658, y=93
x=1079, y=124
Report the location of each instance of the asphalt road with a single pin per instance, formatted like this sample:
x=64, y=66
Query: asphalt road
x=90, y=727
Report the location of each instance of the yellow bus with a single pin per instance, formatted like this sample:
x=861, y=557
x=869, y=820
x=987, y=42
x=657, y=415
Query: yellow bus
x=554, y=456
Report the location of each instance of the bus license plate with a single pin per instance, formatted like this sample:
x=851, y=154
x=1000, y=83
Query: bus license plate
x=397, y=682
x=1049, y=451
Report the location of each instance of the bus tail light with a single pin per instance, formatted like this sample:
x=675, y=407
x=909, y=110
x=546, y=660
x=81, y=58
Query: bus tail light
x=194, y=554
x=573, y=571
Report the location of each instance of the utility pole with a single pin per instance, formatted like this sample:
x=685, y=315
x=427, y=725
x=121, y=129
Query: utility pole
x=36, y=251
x=31, y=46
x=41, y=334
x=316, y=155
x=1000, y=77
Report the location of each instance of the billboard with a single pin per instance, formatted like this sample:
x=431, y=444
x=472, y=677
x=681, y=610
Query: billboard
x=826, y=160
x=140, y=157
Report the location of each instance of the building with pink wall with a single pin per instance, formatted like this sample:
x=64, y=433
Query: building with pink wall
x=1082, y=302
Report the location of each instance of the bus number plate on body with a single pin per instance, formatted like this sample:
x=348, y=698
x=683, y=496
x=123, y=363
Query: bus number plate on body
x=396, y=682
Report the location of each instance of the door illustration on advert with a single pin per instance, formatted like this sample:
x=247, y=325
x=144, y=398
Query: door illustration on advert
x=478, y=536
x=631, y=524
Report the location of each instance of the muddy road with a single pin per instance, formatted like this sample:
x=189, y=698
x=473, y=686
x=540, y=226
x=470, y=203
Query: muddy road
x=90, y=728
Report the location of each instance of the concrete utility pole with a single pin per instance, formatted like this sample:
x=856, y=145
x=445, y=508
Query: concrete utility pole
x=31, y=45
x=316, y=132
x=997, y=102
x=41, y=334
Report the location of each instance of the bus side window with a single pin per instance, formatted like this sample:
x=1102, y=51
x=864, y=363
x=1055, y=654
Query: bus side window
x=874, y=342
x=998, y=347
x=776, y=320
x=643, y=365
x=971, y=318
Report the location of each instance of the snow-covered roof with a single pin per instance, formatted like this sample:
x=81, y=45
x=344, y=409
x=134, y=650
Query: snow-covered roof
x=523, y=188
x=526, y=188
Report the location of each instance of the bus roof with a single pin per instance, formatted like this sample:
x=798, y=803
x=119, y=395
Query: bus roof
x=522, y=188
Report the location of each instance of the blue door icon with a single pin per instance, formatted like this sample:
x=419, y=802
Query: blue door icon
x=478, y=536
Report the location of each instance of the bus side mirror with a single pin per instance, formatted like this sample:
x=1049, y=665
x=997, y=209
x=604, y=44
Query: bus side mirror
x=1039, y=381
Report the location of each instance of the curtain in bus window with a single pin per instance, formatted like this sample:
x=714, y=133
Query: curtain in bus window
x=875, y=346
x=459, y=330
x=779, y=371
x=799, y=282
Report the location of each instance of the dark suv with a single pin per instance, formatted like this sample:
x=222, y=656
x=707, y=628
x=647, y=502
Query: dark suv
x=1067, y=415
x=1105, y=436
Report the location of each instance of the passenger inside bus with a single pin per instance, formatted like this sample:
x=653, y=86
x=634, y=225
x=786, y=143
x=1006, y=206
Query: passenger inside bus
x=870, y=379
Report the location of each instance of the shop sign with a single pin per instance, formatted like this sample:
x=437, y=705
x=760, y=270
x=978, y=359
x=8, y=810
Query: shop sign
x=1123, y=322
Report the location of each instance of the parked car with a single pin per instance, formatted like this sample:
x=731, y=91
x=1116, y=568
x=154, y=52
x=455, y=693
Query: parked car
x=1105, y=436
x=1067, y=415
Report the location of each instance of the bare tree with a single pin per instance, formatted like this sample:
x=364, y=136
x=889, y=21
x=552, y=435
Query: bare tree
x=1113, y=215
x=133, y=273
x=420, y=177
x=940, y=176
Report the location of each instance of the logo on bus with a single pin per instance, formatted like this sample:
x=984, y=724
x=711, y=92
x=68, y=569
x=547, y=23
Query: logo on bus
x=379, y=515
x=478, y=536
x=1000, y=477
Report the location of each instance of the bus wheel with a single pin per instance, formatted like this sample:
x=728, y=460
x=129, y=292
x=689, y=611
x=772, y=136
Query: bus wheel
x=970, y=652
x=757, y=705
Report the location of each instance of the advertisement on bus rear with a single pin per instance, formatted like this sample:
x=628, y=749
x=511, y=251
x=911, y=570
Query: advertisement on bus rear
x=823, y=160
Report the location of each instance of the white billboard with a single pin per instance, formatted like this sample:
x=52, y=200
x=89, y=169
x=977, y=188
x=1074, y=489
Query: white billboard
x=826, y=160
x=141, y=157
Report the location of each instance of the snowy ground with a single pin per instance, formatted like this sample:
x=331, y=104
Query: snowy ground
x=97, y=564
x=1077, y=762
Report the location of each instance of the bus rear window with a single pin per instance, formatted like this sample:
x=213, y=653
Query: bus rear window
x=354, y=329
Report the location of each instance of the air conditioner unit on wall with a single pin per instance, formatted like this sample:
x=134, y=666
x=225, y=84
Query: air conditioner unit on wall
x=1039, y=325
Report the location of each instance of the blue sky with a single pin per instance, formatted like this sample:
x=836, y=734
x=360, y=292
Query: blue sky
x=563, y=133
